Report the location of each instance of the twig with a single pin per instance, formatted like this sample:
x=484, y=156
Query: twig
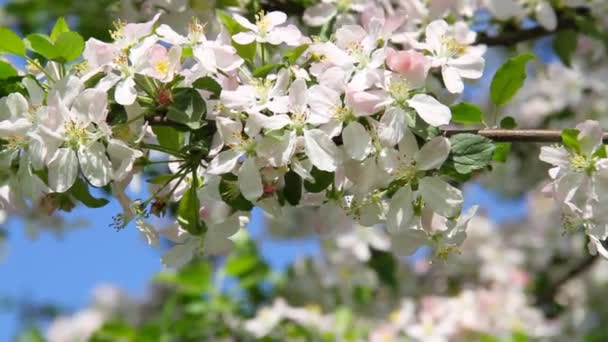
x=507, y=38
x=516, y=135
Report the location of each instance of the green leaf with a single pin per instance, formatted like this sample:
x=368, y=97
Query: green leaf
x=247, y=52
x=471, y=152
x=231, y=194
x=564, y=44
x=508, y=123
x=292, y=55
x=231, y=25
x=11, y=42
x=60, y=27
x=80, y=191
x=323, y=179
x=7, y=71
x=293, y=188
x=501, y=151
x=69, y=46
x=570, y=139
x=169, y=137
x=188, y=211
x=209, y=84
x=42, y=45
x=466, y=113
x=266, y=69
x=509, y=78
x=188, y=108
x=161, y=179
x=114, y=331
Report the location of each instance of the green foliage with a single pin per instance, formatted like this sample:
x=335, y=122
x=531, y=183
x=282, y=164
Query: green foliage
x=466, y=113
x=7, y=71
x=508, y=123
x=80, y=191
x=509, y=78
x=10, y=42
x=247, y=52
x=188, y=210
x=63, y=45
x=231, y=194
x=293, y=54
x=169, y=137
x=564, y=44
x=501, y=152
x=293, y=188
x=470, y=152
x=188, y=108
x=266, y=69
x=323, y=179
x=570, y=139
x=209, y=84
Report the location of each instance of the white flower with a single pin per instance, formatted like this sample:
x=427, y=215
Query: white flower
x=324, y=11
x=266, y=30
x=359, y=240
x=452, y=50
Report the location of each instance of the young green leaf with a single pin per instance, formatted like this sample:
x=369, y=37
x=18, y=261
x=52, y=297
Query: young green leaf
x=266, y=69
x=570, y=139
x=209, y=84
x=42, y=45
x=11, y=42
x=188, y=211
x=293, y=188
x=169, y=137
x=564, y=44
x=80, y=191
x=60, y=27
x=323, y=179
x=501, y=152
x=188, y=108
x=231, y=194
x=6, y=71
x=70, y=46
x=466, y=113
x=471, y=152
x=508, y=123
x=293, y=54
x=509, y=78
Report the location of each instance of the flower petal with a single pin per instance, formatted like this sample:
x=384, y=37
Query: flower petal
x=430, y=110
x=250, y=181
x=63, y=170
x=443, y=198
x=321, y=150
x=357, y=141
x=433, y=154
x=95, y=164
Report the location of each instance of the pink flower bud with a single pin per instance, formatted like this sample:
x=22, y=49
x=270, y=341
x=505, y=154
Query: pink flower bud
x=411, y=64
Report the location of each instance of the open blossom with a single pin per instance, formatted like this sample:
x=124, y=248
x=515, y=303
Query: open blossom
x=579, y=182
x=267, y=30
x=452, y=50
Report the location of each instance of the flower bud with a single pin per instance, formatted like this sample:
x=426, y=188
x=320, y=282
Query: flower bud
x=411, y=64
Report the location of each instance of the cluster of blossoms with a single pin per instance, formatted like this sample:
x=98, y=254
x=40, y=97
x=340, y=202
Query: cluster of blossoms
x=579, y=181
x=342, y=126
x=262, y=115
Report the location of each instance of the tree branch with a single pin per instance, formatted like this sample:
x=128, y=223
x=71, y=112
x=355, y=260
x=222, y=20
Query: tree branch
x=512, y=37
x=516, y=135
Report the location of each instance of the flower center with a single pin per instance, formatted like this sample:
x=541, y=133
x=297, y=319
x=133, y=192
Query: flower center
x=453, y=48
x=400, y=90
x=407, y=172
x=162, y=66
x=343, y=5
x=342, y=114
x=75, y=135
x=15, y=142
x=118, y=32
x=262, y=23
x=195, y=29
x=581, y=163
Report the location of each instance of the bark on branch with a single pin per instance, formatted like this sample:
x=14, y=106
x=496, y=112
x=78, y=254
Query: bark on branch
x=516, y=135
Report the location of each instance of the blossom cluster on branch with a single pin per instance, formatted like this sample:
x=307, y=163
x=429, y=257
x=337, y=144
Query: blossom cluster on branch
x=345, y=116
